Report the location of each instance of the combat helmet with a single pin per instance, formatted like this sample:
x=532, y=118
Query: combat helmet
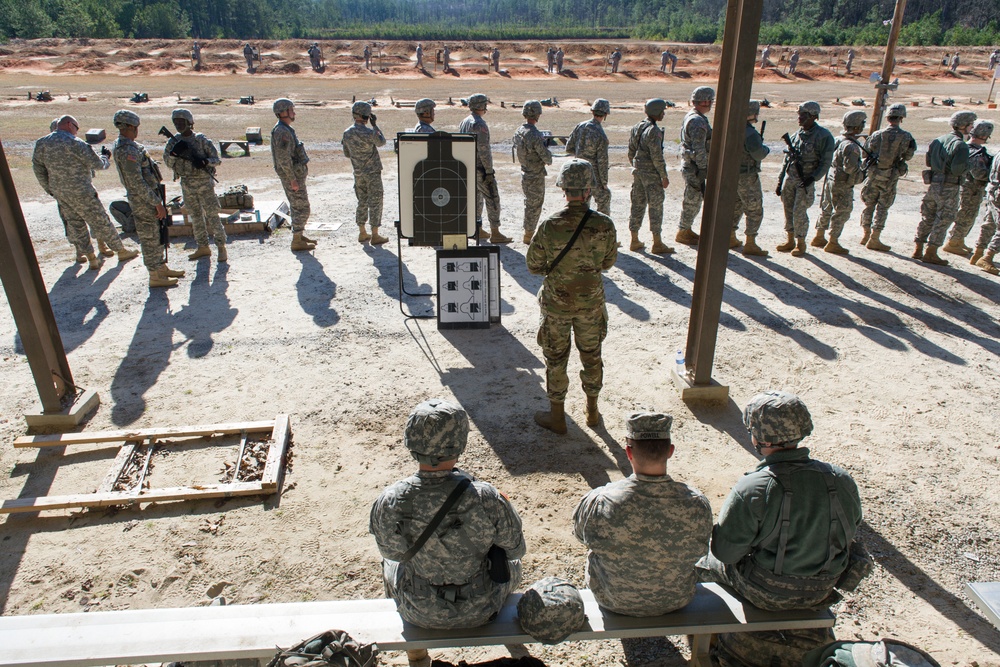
x=982, y=129
x=601, y=107
x=531, y=109
x=54, y=124
x=703, y=94
x=361, y=109
x=551, y=610
x=436, y=431
x=962, y=118
x=182, y=113
x=124, y=118
x=281, y=105
x=655, y=106
x=777, y=417
x=424, y=105
x=854, y=119
x=575, y=174
x=896, y=111
x=478, y=101
x=811, y=108
x=753, y=108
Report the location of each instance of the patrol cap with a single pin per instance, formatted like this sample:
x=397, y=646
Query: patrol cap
x=182, y=113
x=982, y=129
x=962, y=118
x=281, y=105
x=655, y=106
x=124, y=118
x=478, y=101
x=648, y=426
x=436, y=431
x=424, y=105
x=855, y=119
x=896, y=111
x=575, y=174
x=811, y=108
x=777, y=417
x=753, y=108
x=531, y=109
x=551, y=610
x=601, y=107
x=703, y=94
x=363, y=109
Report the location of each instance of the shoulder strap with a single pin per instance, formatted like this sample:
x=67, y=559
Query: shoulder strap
x=438, y=518
x=576, y=235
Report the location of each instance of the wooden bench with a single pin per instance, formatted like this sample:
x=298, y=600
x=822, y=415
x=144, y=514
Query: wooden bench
x=253, y=631
x=225, y=145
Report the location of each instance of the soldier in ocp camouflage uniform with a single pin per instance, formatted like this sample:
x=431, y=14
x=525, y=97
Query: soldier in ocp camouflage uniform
x=572, y=294
x=973, y=188
x=649, y=176
x=533, y=155
x=424, y=108
x=749, y=197
x=989, y=236
x=291, y=163
x=846, y=171
x=589, y=142
x=361, y=144
x=646, y=532
x=890, y=149
x=486, y=181
x=195, y=165
x=815, y=146
x=696, y=142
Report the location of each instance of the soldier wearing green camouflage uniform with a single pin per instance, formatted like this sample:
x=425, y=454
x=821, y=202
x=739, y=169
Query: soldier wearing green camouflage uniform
x=989, y=236
x=749, y=197
x=890, y=149
x=486, y=180
x=141, y=177
x=572, y=294
x=533, y=155
x=589, y=142
x=815, y=146
x=696, y=142
x=424, y=108
x=291, y=163
x=846, y=171
x=195, y=166
x=649, y=176
x=445, y=583
x=973, y=188
x=645, y=532
x=361, y=144
x=947, y=161
x=64, y=166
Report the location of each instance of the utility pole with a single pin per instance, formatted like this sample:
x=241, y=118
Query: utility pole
x=883, y=86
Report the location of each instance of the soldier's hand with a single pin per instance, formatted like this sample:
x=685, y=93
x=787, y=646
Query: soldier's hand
x=665, y=182
x=294, y=186
x=373, y=118
x=105, y=152
x=161, y=212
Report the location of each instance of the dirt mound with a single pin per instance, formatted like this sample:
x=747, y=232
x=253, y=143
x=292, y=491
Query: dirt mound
x=82, y=65
x=290, y=68
x=17, y=62
x=37, y=53
x=5, y=52
x=147, y=66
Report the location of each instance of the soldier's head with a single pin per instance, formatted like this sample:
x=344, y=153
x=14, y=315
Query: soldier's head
x=127, y=123
x=961, y=121
x=54, y=125
x=284, y=109
x=576, y=178
x=361, y=111
x=647, y=440
x=436, y=432
x=777, y=419
x=981, y=132
x=425, y=110
x=655, y=108
x=551, y=610
x=531, y=110
x=854, y=122
x=68, y=124
x=896, y=113
x=808, y=114
x=753, y=111
x=702, y=98
x=477, y=104
x=600, y=108
x=183, y=120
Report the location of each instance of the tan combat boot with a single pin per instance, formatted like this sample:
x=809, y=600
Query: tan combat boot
x=751, y=247
x=362, y=234
x=687, y=237
x=125, y=254
x=734, y=241
x=819, y=241
x=867, y=235
x=833, y=246
x=223, y=255
x=299, y=243
x=158, y=280
x=378, y=239
x=527, y=237
x=497, y=237
x=418, y=657
x=94, y=262
x=956, y=247
x=593, y=414
x=789, y=244
x=659, y=247
x=200, y=251
x=800, y=247
x=554, y=420
x=103, y=248
x=307, y=239
x=81, y=257
x=875, y=242
x=986, y=263
x=483, y=234
x=167, y=272
x=931, y=257
x=918, y=251
x=977, y=254
x=636, y=245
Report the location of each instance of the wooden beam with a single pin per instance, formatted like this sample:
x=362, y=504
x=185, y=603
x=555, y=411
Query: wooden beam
x=138, y=435
x=117, y=467
x=129, y=497
x=274, y=468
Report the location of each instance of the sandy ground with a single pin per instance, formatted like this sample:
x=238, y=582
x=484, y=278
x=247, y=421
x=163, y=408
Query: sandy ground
x=896, y=359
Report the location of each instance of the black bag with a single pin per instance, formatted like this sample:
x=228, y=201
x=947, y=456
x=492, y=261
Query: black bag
x=499, y=571
x=122, y=213
x=333, y=647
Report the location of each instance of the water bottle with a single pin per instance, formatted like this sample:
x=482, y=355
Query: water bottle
x=680, y=364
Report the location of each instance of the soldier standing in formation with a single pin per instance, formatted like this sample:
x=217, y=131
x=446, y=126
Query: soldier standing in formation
x=292, y=166
x=668, y=57
x=533, y=155
x=141, y=178
x=420, y=57
x=645, y=532
x=571, y=249
x=649, y=176
x=846, y=170
x=315, y=56
x=589, y=142
x=64, y=166
x=447, y=59
x=749, y=196
x=424, y=108
x=955, y=61
x=486, y=181
x=947, y=161
x=994, y=59
x=765, y=56
x=890, y=149
x=361, y=144
x=814, y=145
x=616, y=57
x=696, y=142
x=495, y=59
x=196, y=56
x=550, y=59
x=248, y=56
x=850, y=61
x=560, y=58
x=973, y=188
x=989, y=234
x=793, y=62
x=193, y=158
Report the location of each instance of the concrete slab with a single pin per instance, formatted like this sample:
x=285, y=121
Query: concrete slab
x=67, y=418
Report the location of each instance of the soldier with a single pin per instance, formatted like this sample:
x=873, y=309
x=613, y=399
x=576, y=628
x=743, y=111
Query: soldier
x=196, y=56
x=367, y=53
x=696, y=142
x=420, y=57
x=666, y=57
x=560, y=59
x=193, y=159
x=550, y=60
x=292, y=166
x=616, y=57
x=989, y=237
x=447, y=59
x=64, y=166
x=315, y=56
x=793, y=62
x=495, y=59
x=533, y=155
x=248, y=56
x=846, y=171
x=889, y=150
x=955, y=61
x=994, y=59
x=973, y=188
x=947, y=161
x=424, y=109
x=649, y=177
x=765, y=56
x=814, y=145
x=589, y=142
x=649, y=571
x=361, y=144
x=486, y=180
x=850, y=61
x=572, y=294
x=749, y=197
x=141, y=178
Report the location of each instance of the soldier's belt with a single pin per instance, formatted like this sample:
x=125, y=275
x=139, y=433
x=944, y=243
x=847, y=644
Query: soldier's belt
x=478, y=585
x=944, y=178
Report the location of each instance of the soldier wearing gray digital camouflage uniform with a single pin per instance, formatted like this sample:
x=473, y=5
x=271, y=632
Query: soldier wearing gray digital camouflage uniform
x=989, y=235
x=649, y=177
x=615, y=58
x=668, y=57
x=291, y=163
x=696, y=142
x=141, y=177
x=445, y=583
x=495, y=59
x=572, y=294
x=420, y=57
x=361, y=144
x=749, y=197
x=589, y=142
x=645, y=532
x=550, y=60
x=850, y=61
x=64, y=166
x=447, y=59
x=193, y=158
x=973, y=188
x=889, y=149
x=486, y=181
x=793, y=62
x=814, y=145
x=846, y=171
x=424, y=108
x=533, y=155
x=560, y=59
x=947, y=161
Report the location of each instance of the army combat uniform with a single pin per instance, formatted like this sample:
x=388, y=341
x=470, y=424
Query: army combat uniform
x=141, y=177
x=948, y=160
x=486, y=184
x=197, y=186
x=749, y=196
x=989, y=234
x=971, y=194
x=288, y=155
x=361, y=144
x=533, y=155
x=816, y=149
x=837, y=200
x=645, y=154
x=589, y=142
x=891, y=147
x=696, y=142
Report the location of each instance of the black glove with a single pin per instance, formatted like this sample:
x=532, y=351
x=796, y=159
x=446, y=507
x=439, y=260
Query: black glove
x=105, y=152
x=373, y=119
x=199, y=162
x=807, y=181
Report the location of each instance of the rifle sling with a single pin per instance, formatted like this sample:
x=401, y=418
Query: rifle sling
x=456, y=493
x=576, y=235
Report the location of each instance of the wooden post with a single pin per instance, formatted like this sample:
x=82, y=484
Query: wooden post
x=890, y=58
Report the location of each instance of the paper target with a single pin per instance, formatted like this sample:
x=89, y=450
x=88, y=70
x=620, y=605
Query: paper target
x=436, y=186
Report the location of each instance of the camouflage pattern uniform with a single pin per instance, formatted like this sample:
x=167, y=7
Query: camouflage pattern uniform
x=141, y=178
x=447, y=58
x=197, y=186
x=589, y=142
x=749, y=197
x=551, y=610
x=850, y=61
x=420, y=57
x=560, y=59
x=616, y=57
x=361, y=144
x=696, y=141
x=816, y=148
x=550, y=59
x=248, y=55
x=484, y=169
x=645, y=154
x=989, y=237
x=837, y=200
x=894, y=147
x=793, y=62
x=948, y=158
x=288, y=155
x=423, y=127
x=533, y=155
x=64, y=166
x=495, y=59
x=973, y=189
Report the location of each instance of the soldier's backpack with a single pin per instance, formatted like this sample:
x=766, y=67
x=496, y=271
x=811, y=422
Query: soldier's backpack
x=122, y=213
x=776, y=648
x=883, y=653
x=236, y=197
x=333, y=647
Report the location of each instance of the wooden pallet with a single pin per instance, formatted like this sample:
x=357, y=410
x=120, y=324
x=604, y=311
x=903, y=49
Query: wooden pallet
x=270, y=482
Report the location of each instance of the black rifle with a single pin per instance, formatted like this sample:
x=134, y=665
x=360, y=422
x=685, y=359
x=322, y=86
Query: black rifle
x=763, y=126
x=794, y=156
x=182, y=149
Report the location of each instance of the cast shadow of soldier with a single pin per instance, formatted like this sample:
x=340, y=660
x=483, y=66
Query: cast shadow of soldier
x=207, y=311
x=417, y=295
x=316, y=291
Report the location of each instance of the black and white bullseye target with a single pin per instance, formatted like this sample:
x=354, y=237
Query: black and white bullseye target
x=436, y=186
